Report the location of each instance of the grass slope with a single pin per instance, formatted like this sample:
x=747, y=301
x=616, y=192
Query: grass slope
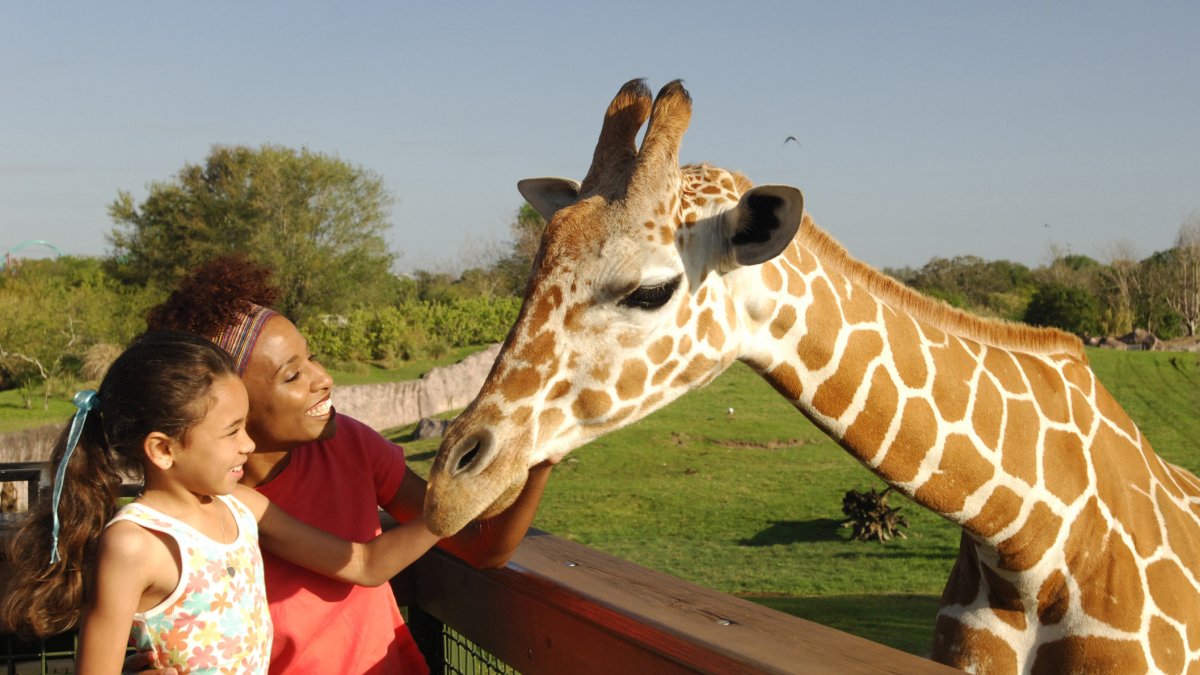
x=749, y=503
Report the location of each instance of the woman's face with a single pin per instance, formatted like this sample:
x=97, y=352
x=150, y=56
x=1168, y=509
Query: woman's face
x=288, y=389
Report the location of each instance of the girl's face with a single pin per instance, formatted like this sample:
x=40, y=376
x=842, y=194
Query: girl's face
x=210, y=457
x=289, y=391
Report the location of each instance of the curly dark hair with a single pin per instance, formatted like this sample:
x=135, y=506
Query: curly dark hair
x=211, y=296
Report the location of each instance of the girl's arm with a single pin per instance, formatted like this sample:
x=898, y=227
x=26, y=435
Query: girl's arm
x=369, y=564
x=125, y=560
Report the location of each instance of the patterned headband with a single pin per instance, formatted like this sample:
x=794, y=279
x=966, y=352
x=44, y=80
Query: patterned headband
x=238, y=338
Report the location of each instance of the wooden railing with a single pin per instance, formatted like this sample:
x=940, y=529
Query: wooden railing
x=561, y=607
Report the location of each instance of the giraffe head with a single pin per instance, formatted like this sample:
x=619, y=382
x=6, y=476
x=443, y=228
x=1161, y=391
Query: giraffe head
x=632, y=302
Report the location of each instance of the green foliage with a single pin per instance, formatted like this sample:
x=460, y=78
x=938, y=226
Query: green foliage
x=317, y=221
x=54, y=311
x=990, y=288
x=1070, y=308
x=415, y=329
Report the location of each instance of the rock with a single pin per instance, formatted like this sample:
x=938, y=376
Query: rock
x=1142, y=339
x=429, y=427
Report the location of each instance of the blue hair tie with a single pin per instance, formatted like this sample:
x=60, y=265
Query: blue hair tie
x=85, y=400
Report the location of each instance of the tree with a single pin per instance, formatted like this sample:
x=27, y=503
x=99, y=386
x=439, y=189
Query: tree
x=1183, y=294
x=317, y=221
x=1070, y=308
x=54, y=311
x=527, y=230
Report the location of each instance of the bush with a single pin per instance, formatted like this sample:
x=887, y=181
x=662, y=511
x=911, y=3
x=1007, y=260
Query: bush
x=415, y=329
x=1070, y=308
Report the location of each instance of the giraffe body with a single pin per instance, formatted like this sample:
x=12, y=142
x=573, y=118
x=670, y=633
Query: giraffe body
x=1081, y=547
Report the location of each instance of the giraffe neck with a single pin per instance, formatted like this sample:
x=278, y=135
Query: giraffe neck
x=935, y=408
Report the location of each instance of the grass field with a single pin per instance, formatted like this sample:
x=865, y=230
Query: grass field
x=750, y=503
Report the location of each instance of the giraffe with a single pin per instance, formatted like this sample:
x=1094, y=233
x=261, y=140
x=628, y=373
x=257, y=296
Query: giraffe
x=1080, y=549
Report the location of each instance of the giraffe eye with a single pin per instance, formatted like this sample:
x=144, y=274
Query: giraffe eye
x=651, y=297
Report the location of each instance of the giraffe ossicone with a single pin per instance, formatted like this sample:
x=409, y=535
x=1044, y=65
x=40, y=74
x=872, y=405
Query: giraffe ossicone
x=1081, y=547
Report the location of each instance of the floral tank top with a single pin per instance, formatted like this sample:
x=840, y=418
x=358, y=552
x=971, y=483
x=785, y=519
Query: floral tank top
x=216, y=620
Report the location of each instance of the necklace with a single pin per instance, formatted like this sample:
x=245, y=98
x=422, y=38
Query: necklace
x=230, y=570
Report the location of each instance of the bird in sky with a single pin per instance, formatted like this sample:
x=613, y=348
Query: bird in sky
x=791, y=138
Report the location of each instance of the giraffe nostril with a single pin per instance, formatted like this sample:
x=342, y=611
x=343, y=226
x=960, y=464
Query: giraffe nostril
x=467, y=458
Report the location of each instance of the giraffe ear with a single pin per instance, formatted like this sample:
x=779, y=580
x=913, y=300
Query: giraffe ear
x=764, y=222
x=547, y=195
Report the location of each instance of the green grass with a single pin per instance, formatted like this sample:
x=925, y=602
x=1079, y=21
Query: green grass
x=750, y=503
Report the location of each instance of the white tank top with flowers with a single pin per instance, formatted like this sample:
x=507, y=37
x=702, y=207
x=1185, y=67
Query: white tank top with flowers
x=216, y=620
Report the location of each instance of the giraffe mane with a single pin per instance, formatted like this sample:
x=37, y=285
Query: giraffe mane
x=991, y=332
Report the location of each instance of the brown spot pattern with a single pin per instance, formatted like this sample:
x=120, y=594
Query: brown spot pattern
x=631, y=383
x=520, y=383
x=785, y=380
x=1000, y=365
x=1004, y=599
x=708, y=330
x=961, y=471
x=772, y=278
x=1064, y=465
x=918, y=431
x=1049, y=390
x=660, y=349
x=783, y=322
x=591, y=404
x=1019, y=448
x=1026, y=548
x=968, y=648
x=696, y=371
x=822, y=324
x=998, y=511
x=1174, y=595
x=1090, y=655
x=664, y=372
x=905, y=346
x=1053, y=599
x=835, y=393
x=987, y=413
x=1101, y=563
x=1166, y=646
x=952, y=370
x=869, y=428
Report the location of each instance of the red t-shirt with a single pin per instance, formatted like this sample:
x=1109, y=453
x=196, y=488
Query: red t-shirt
x=323, y=625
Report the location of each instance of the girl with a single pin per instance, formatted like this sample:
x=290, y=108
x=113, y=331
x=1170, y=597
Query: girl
x=180, y=563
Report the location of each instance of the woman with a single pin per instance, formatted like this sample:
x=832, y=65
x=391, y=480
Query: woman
x=327, y=470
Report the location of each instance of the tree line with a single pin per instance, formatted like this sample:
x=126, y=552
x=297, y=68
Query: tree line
x=319, y=223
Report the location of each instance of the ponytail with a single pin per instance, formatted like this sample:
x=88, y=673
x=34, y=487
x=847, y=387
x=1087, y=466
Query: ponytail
x=44, y=597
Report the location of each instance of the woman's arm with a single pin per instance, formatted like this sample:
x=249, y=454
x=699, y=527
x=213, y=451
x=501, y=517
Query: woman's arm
x=482, y=543
x=366, y=564
x=124, y=562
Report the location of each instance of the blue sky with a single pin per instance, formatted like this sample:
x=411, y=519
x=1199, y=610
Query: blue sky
x=926, y=128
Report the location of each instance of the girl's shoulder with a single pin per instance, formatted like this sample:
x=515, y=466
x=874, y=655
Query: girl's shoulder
x=128, y=544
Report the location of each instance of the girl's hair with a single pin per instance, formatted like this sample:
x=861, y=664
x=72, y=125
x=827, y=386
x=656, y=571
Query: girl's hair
x=210, y=297
x=162, y=382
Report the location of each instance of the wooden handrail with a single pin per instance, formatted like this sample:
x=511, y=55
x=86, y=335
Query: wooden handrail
x=560, y=607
